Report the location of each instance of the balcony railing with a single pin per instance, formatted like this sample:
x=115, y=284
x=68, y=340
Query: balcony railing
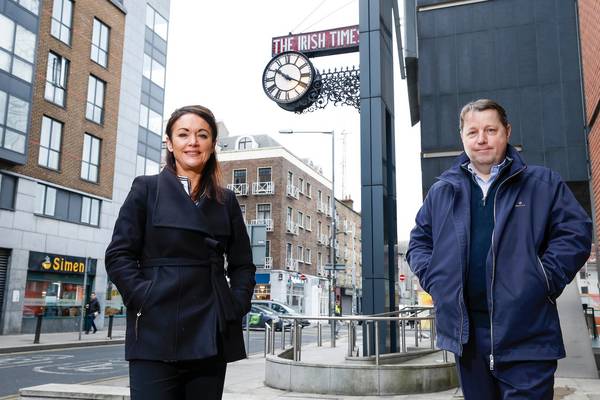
x=293, y=191
x=291, y=227
x=268, y=222
x=268, y=262
x=261, y=188
x=291, y=264
x=322, y=239
x=240, y=189
x=321, y=207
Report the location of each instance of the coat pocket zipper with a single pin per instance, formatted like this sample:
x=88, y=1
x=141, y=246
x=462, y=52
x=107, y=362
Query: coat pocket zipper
x=139, y=313
x=546, y=278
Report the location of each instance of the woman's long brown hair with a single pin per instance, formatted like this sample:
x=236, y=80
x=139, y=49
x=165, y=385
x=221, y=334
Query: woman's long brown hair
x=210, y=182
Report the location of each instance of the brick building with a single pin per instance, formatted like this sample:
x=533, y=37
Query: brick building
x=294, y=200
x=73, y=77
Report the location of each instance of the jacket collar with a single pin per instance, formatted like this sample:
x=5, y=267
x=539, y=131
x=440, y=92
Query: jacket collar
x=455, y=175
x=174, y=208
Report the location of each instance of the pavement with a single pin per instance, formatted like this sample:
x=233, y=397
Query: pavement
x=245, y=378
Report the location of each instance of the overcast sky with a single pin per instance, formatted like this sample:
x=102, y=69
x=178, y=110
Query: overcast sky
x=217, y=53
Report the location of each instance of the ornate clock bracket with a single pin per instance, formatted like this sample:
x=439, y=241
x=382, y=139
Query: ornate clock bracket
x=338, y=88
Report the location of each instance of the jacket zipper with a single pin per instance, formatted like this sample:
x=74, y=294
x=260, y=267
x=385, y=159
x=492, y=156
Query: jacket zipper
x=494, y=273
x=545, y=276
x=139, y=313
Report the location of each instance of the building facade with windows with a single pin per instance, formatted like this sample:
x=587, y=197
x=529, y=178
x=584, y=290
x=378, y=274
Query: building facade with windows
x=69, y=124
x=294, y=201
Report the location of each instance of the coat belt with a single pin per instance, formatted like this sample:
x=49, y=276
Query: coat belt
x=225, y=303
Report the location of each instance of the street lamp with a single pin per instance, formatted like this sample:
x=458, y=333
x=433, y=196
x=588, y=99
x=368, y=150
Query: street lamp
x=334, y=235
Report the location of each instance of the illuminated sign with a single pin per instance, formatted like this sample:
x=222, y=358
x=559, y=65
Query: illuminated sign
x=57, y=263
x=320, y=43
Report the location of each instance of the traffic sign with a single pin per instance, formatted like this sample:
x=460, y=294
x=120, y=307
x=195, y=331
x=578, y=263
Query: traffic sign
x=338, y=267
x=402, y=277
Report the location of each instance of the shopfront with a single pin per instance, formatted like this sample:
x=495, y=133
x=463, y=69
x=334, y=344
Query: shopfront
x=55, y=290
x=262, y=290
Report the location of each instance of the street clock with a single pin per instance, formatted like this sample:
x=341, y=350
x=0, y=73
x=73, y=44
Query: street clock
x=291, y=81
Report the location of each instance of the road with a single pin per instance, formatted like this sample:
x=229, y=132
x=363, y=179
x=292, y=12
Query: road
x=89, y=364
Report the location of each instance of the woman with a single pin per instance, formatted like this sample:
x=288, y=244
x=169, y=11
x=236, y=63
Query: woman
x=166, y=259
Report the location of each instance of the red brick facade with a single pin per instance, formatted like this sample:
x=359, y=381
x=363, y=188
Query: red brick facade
x=73, y=114
x=589, y=14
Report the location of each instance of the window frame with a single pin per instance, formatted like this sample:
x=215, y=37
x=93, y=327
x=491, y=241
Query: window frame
x=93, y=139
x=98, y=46
x=57, y=85
x=12, y=52
x=61, y=23
x=53, y=122
x=94, y=106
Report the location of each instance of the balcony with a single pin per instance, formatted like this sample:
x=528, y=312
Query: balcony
x=263, y=188
x=240, y=189
x=291, y=264
x=293, y=191
x=268, y=222
x=291, y=227
x=322, y=239
x=268, y=262
x=321, y=207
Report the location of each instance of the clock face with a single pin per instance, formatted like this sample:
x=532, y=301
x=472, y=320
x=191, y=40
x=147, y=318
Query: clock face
x=287, y=77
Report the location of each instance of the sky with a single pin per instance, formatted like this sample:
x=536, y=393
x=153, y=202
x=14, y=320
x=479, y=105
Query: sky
x=216, y=56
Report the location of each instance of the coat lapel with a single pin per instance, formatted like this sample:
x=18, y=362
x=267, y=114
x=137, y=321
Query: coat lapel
x=175, y=209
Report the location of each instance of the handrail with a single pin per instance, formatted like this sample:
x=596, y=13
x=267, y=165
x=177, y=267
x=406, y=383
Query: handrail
x=296, y=331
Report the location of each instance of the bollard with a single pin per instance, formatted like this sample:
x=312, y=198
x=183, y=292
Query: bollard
x=110, y=325
x=294, y=336
x=267, y=346
x=38, y=329
x=272, y=339
x=283, y=336
x=350, y=340
x=319, y=335
x=368, y=330
x=417, y=333
x=432, y=332
x=376, y=342
x=403, y=334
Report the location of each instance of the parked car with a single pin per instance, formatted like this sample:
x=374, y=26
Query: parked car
x=281, y=310
x=258, y=317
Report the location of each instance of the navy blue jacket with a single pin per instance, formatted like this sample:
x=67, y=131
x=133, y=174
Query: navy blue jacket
x=166, y=259
x=541, y=238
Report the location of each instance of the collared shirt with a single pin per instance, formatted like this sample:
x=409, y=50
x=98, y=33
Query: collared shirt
x=494, y=171
x=187, y=186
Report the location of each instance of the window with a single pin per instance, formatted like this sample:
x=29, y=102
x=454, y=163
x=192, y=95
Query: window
x=319, y=260
x=319, y=196
x=584, y=290
x=243, y=209
x=300, y=254
x=146, y=166
x=263, y=211
x=156, y=22
x=301, y=185
x=307, y=192
x=90, y=210
x=307, y=223
x=50, y=137
x=290, y=215
x=300, y=219
x=90, y=158
x=100, y=35
x=46, y=200
x=288, y=251
x=307, y=256
x=62, y=17
x=150, y=120
x=290, y=178
x=8, y=189
x=154, y=71
x=582, y=275
x=267, y=248
x=14, y=116
x=245, y=143
x=32, y=6
x=319, y=228
x=17, y=49
x=95, y=100
x=239, y=176
x=56, y=79
x=264, y=174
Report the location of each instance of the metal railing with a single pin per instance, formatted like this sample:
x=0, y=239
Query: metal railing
x=263, y=188
x=263, y=221
x=404, y=318
x=240, y=189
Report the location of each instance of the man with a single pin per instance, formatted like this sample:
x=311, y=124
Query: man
x=495, y=243
x=92, y=309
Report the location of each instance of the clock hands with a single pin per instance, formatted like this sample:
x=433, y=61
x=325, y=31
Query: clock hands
x=286, y=76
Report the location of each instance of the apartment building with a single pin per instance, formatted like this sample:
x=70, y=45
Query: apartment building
x=292, y=198
x=71, y=77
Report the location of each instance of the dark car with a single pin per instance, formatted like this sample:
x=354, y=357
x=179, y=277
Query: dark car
x=260, y=316
x=281, y=309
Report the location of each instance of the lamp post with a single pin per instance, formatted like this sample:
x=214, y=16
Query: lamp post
x=334, y=235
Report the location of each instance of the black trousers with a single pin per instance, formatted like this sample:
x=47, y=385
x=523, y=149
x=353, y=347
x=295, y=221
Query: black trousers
x=177, y=380
x=522, y=380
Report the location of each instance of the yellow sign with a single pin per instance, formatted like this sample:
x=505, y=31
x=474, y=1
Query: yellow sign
x=60, y=264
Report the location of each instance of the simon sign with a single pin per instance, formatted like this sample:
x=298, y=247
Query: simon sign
x=46, y=262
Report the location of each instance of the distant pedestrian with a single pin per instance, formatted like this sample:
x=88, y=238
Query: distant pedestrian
x=92, y=309
x=495, y=243
x=166, y=257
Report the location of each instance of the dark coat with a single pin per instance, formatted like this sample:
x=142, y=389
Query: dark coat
x=541, y=238
x=166, y=259
x=93, y=306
